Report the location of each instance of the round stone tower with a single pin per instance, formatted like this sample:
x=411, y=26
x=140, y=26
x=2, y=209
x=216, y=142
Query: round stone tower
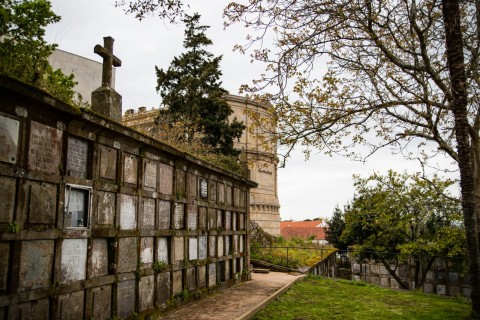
x=261, y=155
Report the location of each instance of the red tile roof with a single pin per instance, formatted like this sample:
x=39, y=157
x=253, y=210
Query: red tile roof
x=302, y=229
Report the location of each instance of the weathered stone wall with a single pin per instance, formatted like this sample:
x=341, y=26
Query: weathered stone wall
x=447, y=276
x=99, y=221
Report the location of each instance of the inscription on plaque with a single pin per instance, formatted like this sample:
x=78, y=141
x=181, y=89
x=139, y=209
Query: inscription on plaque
x=178, y=217
x=241, y=221
x=192, y=185
x=219, y=218
x=212, y=218
x=9, y=129
x=234, y=221
x=193, y=248
x=128, y=212
x=192, y=217
x=77, y=158
x=108, y=162
x=203, y=189
x=229, y=195
x=146, y=250
x=228, y=220
x=177, y=282
x=236, y=197
x=164, y=214
x=74, y=258
x=130, y=168
x=227, y=245
x=221, y=192
x=148, y=217
x=99, y=258
x=220, y=246
x=212, y=274
x=45, y=148
x=202, y=247
x=162, y=249
x=106, y=208
x=125, y=298
x=150, y=174
x=166, y=179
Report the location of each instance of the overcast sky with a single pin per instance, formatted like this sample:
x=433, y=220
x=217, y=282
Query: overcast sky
x=307, y=189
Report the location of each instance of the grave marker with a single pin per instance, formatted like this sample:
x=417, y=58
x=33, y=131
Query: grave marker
x=145, y=288
x=74, y=258
x=36, y=261
x=192, y=217
x=106, y=208
x=164, y=214
x=193, y=248
x=148, y=216
x=130, y=168
x=202, y=247
x=128, y=212
x=45, y=148
x=166, y=179
x=125, y=298
x=127, y=254
x=99, y=258
x=77, y=158
x=146, y=250
x=150, y=174
x=162, y=249
x=9, y=129
x=178, y=217
x=108, y=162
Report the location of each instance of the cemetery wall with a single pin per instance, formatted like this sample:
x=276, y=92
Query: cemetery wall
x=447, y=276
x=98, y=220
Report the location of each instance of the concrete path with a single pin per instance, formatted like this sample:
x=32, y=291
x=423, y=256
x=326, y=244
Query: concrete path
x=239, y=302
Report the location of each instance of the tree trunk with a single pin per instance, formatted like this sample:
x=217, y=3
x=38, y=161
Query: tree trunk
x=458, y=104
x=392, y=272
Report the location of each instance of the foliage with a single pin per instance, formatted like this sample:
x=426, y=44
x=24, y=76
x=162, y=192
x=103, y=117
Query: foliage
x=335, y=227
x=407, y=215
x=159, y=266
x=171, y=10
x=192, y=94
x=324, y=298
x=24, y=52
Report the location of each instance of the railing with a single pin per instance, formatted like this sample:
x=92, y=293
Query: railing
x=325, y=267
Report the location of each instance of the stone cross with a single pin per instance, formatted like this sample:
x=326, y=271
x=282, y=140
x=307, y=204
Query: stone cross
x=106, y=52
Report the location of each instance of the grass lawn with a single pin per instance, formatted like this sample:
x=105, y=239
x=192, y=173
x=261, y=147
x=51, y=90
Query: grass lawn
x=323, y=298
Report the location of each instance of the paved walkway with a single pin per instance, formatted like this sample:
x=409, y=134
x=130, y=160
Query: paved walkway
x=239, y=302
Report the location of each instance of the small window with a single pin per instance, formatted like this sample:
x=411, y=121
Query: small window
x=77, y=206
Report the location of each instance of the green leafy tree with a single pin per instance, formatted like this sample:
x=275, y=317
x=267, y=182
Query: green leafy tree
x=24, y=52
x=407, y=216
x=192, y=94
x=335, y=227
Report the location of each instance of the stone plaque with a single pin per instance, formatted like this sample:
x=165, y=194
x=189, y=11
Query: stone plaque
x=203, y=189
x=212, y=274
x=99, y=258
x=33, y=310
x=178, y=249
x=7, y=190
x=127, y=254
x=241, y=267
x=192, y=216
x=180, y=182
x=228, y=220
x=202, y=247
x=106, y=208
x=191, y=279
x=219, y=219
x=42, y=206
x=163, y=289
x=236, y=197
x=229, y=195
x=202, y=218
x=74, y=258
x=177, y=282
x=164, y=214
x=212, y=246
x=227, y=269
x=108, y=162
x=70, y=305
x=45, y=148
x=192, y=248
x=191, y=185
x=221, y=271
x=242, y=198
x=36, y=262
x=166, y=179
x=241, y=221
x=77, y=158
x=125, y=298
x=5, y=254
x=220, y=247
x=101, y=301
x=128, y=212
x=148, y=216
x=227, y=245
x=149, y=174
x=130, y=168
x=178, y=216
x=146, y=290
x=213, y=191
x=234, y=221
x=146, y=250
x=212, y=218
x=221, y=192
x=202, y=276
x=9, y=129
x=162, y=249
